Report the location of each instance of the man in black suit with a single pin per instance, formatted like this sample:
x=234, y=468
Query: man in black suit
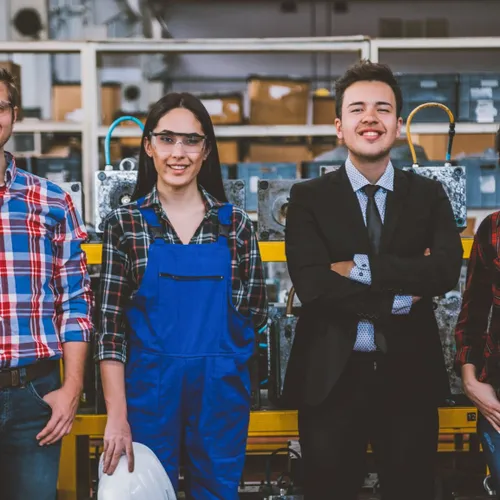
x=368, y=247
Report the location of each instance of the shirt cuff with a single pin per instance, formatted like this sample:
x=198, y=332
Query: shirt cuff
x=402, y=304
x=361, y=271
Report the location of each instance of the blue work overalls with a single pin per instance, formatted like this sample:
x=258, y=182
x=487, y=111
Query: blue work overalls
x=187, y=375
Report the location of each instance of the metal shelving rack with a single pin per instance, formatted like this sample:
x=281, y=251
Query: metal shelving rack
x=277, y=424
x=89, y=51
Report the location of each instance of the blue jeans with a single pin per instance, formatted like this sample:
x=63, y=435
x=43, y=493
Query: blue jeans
x=27, y=470
x=490, y=439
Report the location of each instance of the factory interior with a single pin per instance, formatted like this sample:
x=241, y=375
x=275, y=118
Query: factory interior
x=90, y=70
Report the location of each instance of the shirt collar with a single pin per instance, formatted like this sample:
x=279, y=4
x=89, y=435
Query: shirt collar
x=11, y=170
x=153, y=199
x=359, y=181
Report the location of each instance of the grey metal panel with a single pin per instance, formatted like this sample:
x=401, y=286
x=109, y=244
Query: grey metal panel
x=114, y=188
x=74, y=189
x=273, y=196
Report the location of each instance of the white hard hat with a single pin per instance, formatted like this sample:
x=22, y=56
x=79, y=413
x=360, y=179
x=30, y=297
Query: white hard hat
x=149, y=481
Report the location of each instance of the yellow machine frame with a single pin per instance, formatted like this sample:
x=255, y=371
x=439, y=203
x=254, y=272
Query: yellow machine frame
x=268, y=429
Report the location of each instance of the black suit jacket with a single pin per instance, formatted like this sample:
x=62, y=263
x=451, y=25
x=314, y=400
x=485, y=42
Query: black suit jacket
x=325, y=225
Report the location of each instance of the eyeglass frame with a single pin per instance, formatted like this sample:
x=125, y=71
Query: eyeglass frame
x=7, y=104
x=170, y=132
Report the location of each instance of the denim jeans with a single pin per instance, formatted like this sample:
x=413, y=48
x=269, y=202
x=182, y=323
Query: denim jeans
x=490, y=439
x=28, y=471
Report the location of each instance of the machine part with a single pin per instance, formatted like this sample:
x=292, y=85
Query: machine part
x=273, y=196
x=447, y=309
x=107, y=140
x=235, y=190
x=285, y=488
x=451, y=132
x=453, y=180
x=74, y=189
x=114, y=188
x=281, y=333
x=487, y=486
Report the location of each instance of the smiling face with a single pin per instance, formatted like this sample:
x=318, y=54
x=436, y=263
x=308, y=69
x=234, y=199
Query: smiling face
x=178, y=152
x=369, y=125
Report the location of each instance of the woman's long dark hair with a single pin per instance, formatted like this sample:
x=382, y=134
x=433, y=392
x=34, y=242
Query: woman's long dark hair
x=210, y=175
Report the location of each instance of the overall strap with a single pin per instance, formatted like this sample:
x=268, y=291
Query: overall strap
x=225, y=214
x=151, y=219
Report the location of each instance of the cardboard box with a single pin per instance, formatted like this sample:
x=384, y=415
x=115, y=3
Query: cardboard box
x=436, y=145
x=15, y=71
x=279, y=150
x=320, y=145
x=228, y=151
x=278, y=101
x=323, y=110
x=224, y=109
x=67, y=100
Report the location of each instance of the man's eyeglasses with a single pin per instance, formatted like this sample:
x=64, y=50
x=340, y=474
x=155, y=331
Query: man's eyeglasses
x=165, y=142
x=5, y=107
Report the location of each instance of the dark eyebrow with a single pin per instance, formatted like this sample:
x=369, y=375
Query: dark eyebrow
x=378, y=103
x=171, y=132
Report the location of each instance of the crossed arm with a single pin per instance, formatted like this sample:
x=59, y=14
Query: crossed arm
x=321, y=282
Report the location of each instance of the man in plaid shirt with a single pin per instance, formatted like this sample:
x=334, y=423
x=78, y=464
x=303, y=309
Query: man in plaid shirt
x=45, y=315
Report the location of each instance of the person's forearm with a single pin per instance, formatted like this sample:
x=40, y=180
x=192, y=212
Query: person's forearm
x=113, y=384
x=74, y=357
x=469, y=375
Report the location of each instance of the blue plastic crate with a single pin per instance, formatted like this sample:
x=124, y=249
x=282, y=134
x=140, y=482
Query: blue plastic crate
x=251, y=173
x=311, y=169
x=420, y=89
x=479, y=97
x=483, y=182
x=58, y=169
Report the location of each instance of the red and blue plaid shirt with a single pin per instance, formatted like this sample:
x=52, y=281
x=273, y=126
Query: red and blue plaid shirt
x=45, y=295
x=478, y=327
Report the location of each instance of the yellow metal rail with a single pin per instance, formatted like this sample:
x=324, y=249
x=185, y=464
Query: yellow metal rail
x=271, y=251
x=274, y=428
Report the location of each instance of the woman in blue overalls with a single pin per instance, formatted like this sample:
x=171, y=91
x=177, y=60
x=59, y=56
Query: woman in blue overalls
x=182, y=291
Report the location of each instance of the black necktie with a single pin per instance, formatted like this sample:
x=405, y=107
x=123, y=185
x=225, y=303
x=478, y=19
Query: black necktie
x=373, y=220
x=374, y=226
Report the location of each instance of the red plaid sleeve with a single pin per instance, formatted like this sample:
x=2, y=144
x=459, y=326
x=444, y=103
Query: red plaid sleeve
x=472, y=326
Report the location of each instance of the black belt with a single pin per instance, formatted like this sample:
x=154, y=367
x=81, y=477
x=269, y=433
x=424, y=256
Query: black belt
x=12, y=377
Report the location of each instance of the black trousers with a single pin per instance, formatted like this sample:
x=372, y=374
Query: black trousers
x=361, y=410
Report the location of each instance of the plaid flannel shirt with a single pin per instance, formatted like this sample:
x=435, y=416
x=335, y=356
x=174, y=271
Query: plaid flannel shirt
x=478, y=327
x=45, y=295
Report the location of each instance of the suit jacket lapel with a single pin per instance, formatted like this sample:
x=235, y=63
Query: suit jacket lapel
x=346, y=206
x=394, y=207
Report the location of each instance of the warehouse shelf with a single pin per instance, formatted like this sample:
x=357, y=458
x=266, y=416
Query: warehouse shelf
x=239, y=131
x=89, y=51
x=236, y=45
x=43, y=126
x=42, y=47
x=234, y=131
x=378, y=44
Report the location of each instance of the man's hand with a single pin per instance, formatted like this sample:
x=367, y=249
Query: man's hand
x=415, y=299
x=343, y=268
x=117, y=442
x=64, y=403
x=484, y=398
